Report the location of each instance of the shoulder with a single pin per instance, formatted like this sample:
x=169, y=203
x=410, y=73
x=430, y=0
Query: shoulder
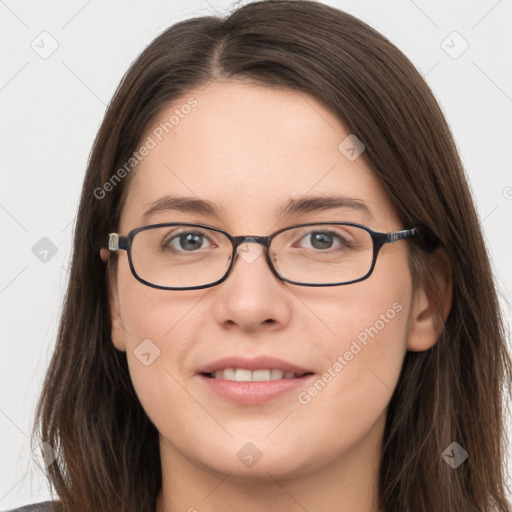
x=46, y=506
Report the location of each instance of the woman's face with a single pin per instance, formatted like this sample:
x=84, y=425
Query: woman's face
x=250, y=150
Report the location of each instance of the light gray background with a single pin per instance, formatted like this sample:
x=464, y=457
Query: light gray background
x=51, y=109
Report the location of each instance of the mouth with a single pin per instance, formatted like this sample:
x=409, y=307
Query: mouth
x=260, y=375
x=254, y=381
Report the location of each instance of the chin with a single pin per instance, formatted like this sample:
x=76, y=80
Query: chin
x=248, y=463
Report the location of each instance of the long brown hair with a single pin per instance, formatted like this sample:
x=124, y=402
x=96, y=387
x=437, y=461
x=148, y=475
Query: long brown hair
x=108, y=452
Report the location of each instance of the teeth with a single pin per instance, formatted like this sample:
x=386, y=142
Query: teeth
x=244, y=375
x=276, y=374
x=229, y=374
x=259, y=375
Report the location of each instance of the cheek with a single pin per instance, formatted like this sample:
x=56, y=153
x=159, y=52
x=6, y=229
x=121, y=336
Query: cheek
x=370, y=354
x=377, y=336
x=150, y=313
x=369, y=324
x=158, y=326
x=363, y=366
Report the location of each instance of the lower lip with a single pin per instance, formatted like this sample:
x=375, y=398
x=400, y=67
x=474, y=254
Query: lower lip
x=254, y=393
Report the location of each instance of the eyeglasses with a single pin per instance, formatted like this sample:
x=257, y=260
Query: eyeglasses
x=184, y=256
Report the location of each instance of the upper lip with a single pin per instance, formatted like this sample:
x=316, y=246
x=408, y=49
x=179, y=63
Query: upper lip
x=257, y=363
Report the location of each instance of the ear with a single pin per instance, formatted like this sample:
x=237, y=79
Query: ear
x=428, y=317
x=117, y=329
x=104, y=254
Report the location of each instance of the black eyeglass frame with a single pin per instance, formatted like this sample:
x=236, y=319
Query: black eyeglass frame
x=116, y=242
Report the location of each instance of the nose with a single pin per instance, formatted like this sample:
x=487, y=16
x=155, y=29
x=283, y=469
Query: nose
x=252, y=295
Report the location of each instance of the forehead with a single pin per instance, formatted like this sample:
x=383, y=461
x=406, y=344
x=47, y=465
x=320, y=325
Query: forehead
x=249, y=150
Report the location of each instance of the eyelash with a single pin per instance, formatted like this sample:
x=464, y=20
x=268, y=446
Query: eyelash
x=175, y=236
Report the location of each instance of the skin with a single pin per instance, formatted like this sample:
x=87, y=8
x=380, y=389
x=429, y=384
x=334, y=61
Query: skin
x=249, y=149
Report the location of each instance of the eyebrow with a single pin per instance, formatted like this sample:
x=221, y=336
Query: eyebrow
x=292, y=207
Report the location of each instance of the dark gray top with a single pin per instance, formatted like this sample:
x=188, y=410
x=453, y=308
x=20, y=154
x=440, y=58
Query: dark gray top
x=46, y=506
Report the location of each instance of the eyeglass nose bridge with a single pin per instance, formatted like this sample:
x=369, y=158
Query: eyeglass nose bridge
x=237, y=241
x=261, y=240
x=265, y=241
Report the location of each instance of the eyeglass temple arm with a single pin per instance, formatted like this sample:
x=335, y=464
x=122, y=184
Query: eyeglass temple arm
x=400, y=235
x=116, y=242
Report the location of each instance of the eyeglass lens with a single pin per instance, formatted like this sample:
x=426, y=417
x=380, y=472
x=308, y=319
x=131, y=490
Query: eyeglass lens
x=187, y=256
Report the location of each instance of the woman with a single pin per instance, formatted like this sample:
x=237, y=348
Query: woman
x=280, y=298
